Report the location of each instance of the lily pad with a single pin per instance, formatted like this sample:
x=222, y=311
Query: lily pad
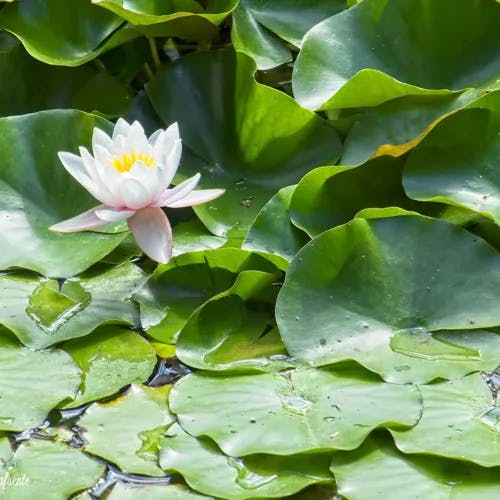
x=282, y=414
x=261, y=28
x=388, y=284
x=82, y=88
x=456, y=162
x=110, y=358
x=32, y=383
x=48, y=471
x=369, y=473
x=193, y=236
x=126, y=431
x=81, y=33
x=257, y=142
x=459, y=420
x=272, y=232
x=236, y=329
x=36, y=192
x=372, y=53
x=207, y=470
x=124, y=491
x=41, y=312
x=175, y=290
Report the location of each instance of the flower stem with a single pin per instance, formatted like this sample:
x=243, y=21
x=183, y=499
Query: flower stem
x=154, y=52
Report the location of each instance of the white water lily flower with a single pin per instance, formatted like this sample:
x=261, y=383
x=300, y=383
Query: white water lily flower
x=130, y=175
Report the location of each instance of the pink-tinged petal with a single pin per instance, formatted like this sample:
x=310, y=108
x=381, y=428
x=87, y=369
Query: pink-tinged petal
x=110, y=214
x=178, y=192
x=86, y=220
x=152, y=232
x=134, y=195
x=121, y=128
x=197, y=198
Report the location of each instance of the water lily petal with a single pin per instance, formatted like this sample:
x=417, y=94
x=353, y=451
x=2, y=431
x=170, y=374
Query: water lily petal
x=121, y=128
x=134, y=195
x=137, y=140
x=154, y=136
x=171, y=136
x=197, y=198
x=152, y=232
x=110, y=214
x=175, y=194
x=172, y=162
x=100, y=138
x=82, y=222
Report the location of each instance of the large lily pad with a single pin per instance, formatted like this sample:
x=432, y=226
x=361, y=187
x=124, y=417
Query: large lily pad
x=176, y=289
x=124, y=491
x=373, y=52
x=207, y=470
x=459, y=420
x=126, y=431
x=42, y=312
x=32, y=383
x=36, y=192
x=369, y=473
x=252, y=139
x=48, y=471
x=272, y=232
x=282, y=414
x=82, y=88
x=261, y=28
x=81, y=33
x=236, y=329
x=370, y=287
x=110, y=358
x=456, y=162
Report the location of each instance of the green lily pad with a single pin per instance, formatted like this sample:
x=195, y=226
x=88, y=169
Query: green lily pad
x=81, y=33
x=177, y=289
x=283, y=414
x=207, y=470
x=124, y=491
x=236, y=329
x=160, y=11
x=36, y=192
x=192, y=236
x=329, y=196
x=373, y=286
x=459, y=420
x=456, y=162
x=32, y=383
x=377, y=470
x=261, y=28
x=110, y=358
x=372, y=53
x=82, y=88
x=273, y=234
x=127, y=430
x=397, y=126
x=40, y=312
x=48, y=471
x=257, y=142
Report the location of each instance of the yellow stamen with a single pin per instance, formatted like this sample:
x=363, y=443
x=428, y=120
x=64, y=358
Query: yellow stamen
x=126, y=161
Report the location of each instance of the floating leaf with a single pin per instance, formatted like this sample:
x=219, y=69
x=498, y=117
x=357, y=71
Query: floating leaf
x=81, y=33
x=32, y=383
x=48, y=471
x=110, y=358
x=362, y=288
x=124, y=491
x=369, y=54
x=272, y=233
x=458, y=420
x=253, y=139
x=236, y=330
x=127, y=430
x=209, y=471
x=377, y=470
x=41, y=312
x=282, y=414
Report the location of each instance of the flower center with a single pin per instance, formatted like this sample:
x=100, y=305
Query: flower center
x=126, y=161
